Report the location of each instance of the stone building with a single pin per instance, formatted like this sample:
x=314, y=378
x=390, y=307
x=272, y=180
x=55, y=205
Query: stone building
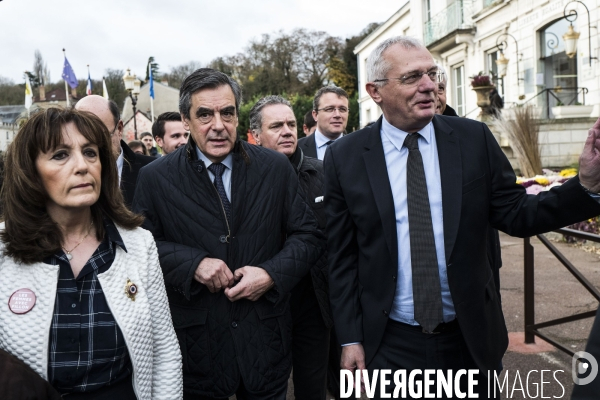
x=468, y=36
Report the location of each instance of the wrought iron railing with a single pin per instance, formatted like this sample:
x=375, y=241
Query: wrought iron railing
x=558, y=96
x=456, y=16
x=532, y=328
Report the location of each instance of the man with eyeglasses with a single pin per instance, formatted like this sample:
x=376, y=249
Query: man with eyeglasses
x=408, y=203
x=330, y=111
x=128, y=162
x=234, y=236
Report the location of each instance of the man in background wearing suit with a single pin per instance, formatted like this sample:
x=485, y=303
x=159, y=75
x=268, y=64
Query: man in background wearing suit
x=128, y=162
x=330, y=110
x=408, y=202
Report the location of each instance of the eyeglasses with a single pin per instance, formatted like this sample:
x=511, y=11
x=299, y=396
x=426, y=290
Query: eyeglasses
x=227, y=115
x=331, y=110
x=112, y=133
x=413, y=79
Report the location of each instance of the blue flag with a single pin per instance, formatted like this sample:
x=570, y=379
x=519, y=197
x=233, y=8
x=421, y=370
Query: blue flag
x=151, y=81
x=68, y=75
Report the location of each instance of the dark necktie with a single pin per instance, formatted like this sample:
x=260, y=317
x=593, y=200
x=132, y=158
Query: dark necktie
x=328, y=143
x=217, y=170
x=427, y=293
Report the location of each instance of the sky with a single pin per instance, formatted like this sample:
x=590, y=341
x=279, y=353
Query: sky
x=122, y=34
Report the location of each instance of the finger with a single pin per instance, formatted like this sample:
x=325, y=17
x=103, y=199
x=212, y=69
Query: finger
x=234, y=293
x=216, y=284
x=222, y=278
x=597, y=124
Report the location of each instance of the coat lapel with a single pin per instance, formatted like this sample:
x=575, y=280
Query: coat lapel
x=448, y=147
x=380, y=185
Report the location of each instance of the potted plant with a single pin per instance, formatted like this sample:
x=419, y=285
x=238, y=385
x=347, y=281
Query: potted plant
x=576, y=110
x=482, y=84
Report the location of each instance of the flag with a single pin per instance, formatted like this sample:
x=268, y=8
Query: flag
x=151, y=80
x=28, y=94
x=88, y=89
x=104, y=89
x=68, y=75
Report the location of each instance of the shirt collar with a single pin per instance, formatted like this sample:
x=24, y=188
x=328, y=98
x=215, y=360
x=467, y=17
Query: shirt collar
x=321, y=139
x=120, y=159
x=228, y=161
x=397, y=136
x=112, y=233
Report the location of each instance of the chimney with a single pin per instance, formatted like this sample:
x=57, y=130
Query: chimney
x=164, y=81
x=42, y=92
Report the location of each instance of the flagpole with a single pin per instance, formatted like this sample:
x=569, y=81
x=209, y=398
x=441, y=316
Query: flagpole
x=66, y=89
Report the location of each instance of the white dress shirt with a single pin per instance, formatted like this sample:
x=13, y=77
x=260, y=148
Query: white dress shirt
x=226, y=177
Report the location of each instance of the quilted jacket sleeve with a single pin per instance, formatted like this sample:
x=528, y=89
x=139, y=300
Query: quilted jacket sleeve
x=178, y=261
x=167, y=380
x=304, y=242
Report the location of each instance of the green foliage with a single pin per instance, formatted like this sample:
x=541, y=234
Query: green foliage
x=10, y=93
x=301, y=104
x=155, y=72
x=353, y=116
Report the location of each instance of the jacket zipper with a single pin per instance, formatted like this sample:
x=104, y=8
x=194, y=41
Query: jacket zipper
x=224, y=214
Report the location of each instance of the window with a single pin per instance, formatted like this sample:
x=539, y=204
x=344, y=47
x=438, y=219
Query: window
x=458, y=75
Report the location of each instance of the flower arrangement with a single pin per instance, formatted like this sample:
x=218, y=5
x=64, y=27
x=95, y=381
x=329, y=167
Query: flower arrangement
x=551, y=179
x=481, y=80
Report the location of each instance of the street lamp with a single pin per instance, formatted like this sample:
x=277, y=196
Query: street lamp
x=132, y=85
x=502, y=61
x=571, y=36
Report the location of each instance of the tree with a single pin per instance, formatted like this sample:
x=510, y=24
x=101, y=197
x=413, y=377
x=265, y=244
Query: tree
x=115, y=85
x=348, y=55
x=177, y=74
x=339, y=75
x=154, y=66
x=40, y=70
x=11, y=93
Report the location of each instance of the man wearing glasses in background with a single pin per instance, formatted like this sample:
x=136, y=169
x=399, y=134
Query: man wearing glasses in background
x=330, y=111
x=408, y=203
x=128, y=162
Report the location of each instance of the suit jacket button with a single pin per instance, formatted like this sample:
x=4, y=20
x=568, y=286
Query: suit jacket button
x=385, y=313
x=234, y=324
x=394, y=278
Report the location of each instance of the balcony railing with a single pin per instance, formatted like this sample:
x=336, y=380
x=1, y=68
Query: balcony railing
x=456, y=16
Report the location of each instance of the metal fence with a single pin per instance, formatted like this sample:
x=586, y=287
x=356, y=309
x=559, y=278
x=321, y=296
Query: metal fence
x=456, y=16
x=531, y=328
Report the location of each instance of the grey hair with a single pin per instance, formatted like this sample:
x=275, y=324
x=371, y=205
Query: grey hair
x=256, y=110
x=206, y=78
x=377, y=66
x=328, y=89
x=443, y=71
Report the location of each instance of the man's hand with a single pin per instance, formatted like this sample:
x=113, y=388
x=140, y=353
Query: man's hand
x=353, y=358
x=214, y=274
x=253, y=282
x=589, y=161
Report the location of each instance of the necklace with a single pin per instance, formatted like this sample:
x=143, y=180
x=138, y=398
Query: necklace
x=69, y=255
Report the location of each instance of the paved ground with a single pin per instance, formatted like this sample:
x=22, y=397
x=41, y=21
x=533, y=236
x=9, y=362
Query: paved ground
x=558, y=294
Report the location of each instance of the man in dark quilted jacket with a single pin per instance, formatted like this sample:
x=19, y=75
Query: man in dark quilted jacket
x=240, y=237
x=273, y=125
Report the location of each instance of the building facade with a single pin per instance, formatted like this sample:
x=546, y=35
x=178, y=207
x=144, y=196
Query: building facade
x=468, y=36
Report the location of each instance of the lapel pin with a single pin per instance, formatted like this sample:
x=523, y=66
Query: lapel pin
x=131, y=289
x=21, y=301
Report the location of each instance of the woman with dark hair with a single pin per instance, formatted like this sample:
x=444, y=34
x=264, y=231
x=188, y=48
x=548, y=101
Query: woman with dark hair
x=85, y=302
